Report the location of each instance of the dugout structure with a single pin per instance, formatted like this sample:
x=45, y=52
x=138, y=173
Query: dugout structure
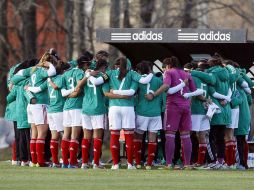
x=185, y=43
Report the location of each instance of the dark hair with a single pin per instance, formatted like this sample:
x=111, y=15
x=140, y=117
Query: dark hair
x=82, y=60
x=122, y=67
x=215, y=62
x=103, y=53
x=144, y=67
x=203, y=66
x=53, y=52
x=26, y=64
x=88, y=54
x=101, y=63
x=61, y=67
x=191, y=65
x=172, y=61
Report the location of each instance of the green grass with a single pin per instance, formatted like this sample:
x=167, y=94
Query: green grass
x=25, y=178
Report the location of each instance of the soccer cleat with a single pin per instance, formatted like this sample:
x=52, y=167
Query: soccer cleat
x=188, y=167
x=56, y=165
x=72, y=166
x=96, y=167
x=115, y=167
x=64, y=166
x=84, y=166
x=31, y=164
x=138, y=166
x=148, y=167
x=167, y=167
x=131, y=167
x=14, y=163
x=25, y=163
x=233, y=167
x=240, y=167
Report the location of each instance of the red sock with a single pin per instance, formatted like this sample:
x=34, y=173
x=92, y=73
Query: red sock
x=201, y=153
x=234, y=152
x=54, y=150
x=114, y=145
x=151, y=152
x=65, y=151
x=33, y=151
x=85, y=150
x=40, y=151
x=229, y=151
x=14, y=149
x=129, y=145
x=137, y=150
x=73, y=152
x=97, y=144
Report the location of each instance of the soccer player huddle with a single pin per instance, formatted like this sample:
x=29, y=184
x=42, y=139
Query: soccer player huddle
x=208, y=99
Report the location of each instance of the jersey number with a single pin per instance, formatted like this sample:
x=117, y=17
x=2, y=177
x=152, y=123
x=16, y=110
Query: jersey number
x=71, y=81
x=202, y=87
x=89, y=84
x=51, y=95
x=33, y=79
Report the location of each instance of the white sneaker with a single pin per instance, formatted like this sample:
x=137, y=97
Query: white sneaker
x=131, y=167
x=14, y=163
x=115, y=167
x=25, y=163
x=31, y=164
x=85, y=166
x=95, y=167
x=56, y=165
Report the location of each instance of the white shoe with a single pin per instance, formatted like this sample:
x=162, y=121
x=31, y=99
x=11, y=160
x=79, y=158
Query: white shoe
x=131, y=167
x=25, y=163
x=115, y=167
x=85, y=166
x=14, y=163
x=56, y=165
x=31, y=164
x=95, y=167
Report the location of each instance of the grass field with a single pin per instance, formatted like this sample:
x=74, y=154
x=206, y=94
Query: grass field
x=25, y=178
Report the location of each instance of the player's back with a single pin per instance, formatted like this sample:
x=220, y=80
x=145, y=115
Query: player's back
x=174, y=77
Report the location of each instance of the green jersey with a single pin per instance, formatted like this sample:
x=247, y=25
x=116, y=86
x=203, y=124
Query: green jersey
x=94, y=99
x=149, y=108
x=56, y=100
x=10, y=114
x=220, y=85
x=197, y=106
x=244, y=112
x=70, y=81
x=22, y=98
x=129, y=82
x=37, y=77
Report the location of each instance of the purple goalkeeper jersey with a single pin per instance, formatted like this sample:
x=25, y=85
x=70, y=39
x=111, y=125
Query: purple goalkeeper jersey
x=172, y=78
